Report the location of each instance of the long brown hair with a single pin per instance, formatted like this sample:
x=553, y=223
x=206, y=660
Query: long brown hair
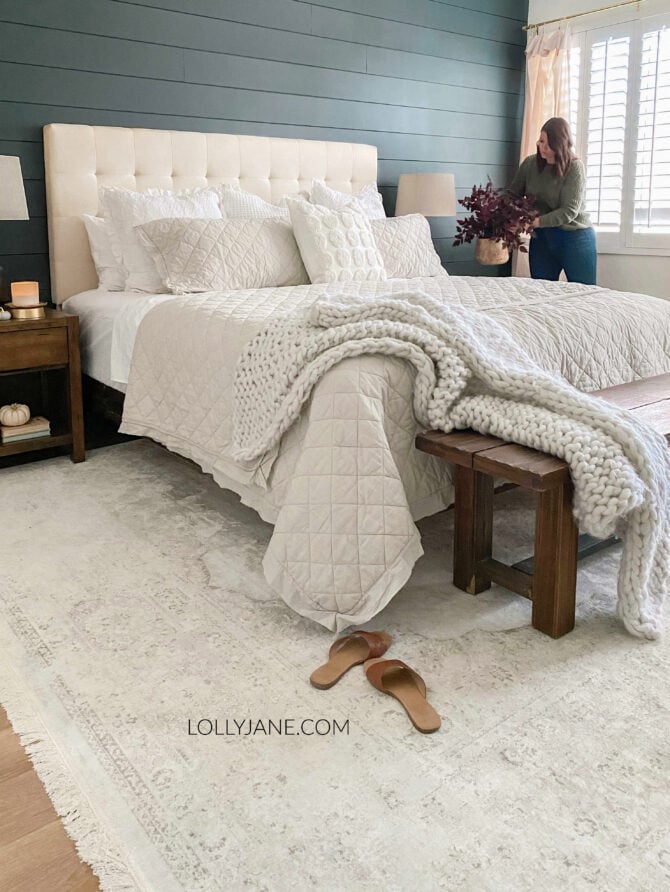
x=560, y=142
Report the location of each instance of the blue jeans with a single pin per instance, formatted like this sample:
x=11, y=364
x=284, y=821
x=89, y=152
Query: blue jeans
x=573, y=250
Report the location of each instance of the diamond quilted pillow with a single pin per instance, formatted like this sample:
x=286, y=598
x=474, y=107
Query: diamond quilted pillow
x=223, y=255
x=368, y=199
x=336, y=246
x=126, y=209
x=406, y=246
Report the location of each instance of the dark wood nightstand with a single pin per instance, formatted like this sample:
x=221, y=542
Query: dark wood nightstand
x=40, y=366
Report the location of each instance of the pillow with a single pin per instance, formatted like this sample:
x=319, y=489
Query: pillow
x=369, y=199
x=223, y=255
x=336, y=246
x=407, y=247
x=127, y=209
x=235, y=202
x=111, y=274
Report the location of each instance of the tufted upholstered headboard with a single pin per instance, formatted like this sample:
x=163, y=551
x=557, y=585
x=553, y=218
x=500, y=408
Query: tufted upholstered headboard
x=80, y=159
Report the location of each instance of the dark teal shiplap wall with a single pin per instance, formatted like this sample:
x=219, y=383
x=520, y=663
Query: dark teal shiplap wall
x=437, y=86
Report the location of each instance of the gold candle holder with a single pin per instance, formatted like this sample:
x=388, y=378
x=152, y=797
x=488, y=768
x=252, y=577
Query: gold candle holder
x=27, y=312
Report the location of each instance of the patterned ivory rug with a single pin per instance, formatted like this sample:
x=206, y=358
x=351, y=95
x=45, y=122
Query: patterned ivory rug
x=134, y=616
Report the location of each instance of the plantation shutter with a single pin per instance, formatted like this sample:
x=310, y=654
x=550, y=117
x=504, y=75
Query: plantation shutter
x=606, y=131
x=652, y=165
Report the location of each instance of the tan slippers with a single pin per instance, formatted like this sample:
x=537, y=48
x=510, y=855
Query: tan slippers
x=400, y=681
x=351, y=650
x=389, y=676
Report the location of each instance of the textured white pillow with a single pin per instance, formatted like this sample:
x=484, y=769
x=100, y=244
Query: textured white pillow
x=236, y=202
x=127, y=209
x=407, y=247
x=223, y=255
x=369, y=199
x=336, y=246
x=111, y=274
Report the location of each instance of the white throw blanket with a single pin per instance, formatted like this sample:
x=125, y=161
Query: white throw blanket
x=471, y=374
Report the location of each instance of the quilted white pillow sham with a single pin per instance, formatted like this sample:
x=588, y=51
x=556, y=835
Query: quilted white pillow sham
x=336, y=246
x=126, y=209
x=406, y=246
x=368, y=198
x=223, y=255
x=111, y=274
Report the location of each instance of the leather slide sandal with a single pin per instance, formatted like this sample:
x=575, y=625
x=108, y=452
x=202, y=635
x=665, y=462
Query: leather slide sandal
x=400, y=681
x=350, y=650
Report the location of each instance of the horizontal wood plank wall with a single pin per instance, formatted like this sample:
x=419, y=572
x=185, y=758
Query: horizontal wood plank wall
x=436, y=85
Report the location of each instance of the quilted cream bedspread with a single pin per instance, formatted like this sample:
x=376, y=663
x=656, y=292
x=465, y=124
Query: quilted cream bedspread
x=351, y=452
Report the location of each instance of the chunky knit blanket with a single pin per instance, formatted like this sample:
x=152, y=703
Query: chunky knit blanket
x=470, y=374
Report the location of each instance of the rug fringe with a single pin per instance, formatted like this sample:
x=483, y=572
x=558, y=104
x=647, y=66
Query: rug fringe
x=89, y=837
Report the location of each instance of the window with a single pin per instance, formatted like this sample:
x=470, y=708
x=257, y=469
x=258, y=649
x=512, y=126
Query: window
x=652, y=164
x=606, y=131
x=620, y=115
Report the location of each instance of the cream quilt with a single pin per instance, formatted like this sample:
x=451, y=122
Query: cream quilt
x=352, y=446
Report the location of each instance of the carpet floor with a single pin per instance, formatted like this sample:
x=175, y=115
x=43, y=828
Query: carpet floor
x=134, y=616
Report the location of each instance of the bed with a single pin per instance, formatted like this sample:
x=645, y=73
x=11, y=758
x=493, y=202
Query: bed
x=345, y=484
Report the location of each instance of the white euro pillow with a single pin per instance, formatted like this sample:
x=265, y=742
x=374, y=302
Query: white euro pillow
x=336, y=246
x=236, y=202
x=127, y=209
x=406, y=246
x=224, y=254
x=111, y=274
x=368, y=198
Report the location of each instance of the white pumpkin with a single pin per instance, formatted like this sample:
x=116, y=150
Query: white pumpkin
x=4, y=314
x=14, y=414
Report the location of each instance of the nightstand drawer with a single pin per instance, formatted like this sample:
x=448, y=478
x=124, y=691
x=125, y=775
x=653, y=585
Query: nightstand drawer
x=33, y=347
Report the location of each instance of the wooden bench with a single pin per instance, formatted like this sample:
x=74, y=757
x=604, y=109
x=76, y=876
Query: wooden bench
x=480, y=459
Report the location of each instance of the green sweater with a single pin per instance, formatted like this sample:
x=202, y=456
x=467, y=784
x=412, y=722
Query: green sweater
x=560, y=200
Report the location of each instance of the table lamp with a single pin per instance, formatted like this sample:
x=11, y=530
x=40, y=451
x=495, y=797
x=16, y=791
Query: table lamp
x=12, y=195
x=430, y=194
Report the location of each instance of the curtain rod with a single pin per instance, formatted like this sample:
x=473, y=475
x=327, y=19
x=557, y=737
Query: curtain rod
x=577, y=15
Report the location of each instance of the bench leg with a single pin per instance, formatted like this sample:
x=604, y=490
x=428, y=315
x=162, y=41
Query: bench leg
x=473, y=528
x=555, y=570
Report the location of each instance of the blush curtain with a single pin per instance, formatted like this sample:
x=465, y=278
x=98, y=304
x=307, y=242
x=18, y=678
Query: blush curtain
x=547, y=96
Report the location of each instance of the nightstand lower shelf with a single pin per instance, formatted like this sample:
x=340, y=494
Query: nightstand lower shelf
x=37, y=443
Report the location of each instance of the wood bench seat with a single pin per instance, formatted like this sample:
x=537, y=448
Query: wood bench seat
x=479, y=459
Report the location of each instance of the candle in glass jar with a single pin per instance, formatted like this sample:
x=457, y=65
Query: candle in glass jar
x=25, y=294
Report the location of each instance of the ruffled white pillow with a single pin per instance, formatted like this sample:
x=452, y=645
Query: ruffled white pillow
x=111, y=274
x=126, y=209
x=336, y=246
x=406, y=246
x=368, y=198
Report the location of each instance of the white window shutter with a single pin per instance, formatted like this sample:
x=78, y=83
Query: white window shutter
x=606, y=130
x=651, y=214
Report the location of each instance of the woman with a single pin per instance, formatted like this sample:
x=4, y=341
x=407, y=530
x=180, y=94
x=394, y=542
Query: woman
x=563, y=238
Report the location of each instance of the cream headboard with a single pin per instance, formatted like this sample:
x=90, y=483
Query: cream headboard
x=80, y=159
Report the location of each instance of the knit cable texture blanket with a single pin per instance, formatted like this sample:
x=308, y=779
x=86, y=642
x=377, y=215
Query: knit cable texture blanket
x=470, y=374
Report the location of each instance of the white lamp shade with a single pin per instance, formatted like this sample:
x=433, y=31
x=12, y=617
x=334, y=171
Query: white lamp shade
x=12, y=194
x=430, y=194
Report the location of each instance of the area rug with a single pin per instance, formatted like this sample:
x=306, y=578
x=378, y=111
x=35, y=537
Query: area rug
x=162, y=691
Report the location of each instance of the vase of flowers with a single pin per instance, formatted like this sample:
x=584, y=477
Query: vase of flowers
x=498, y=219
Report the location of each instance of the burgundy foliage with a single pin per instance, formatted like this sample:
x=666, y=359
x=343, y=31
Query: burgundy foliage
x=496, y=214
